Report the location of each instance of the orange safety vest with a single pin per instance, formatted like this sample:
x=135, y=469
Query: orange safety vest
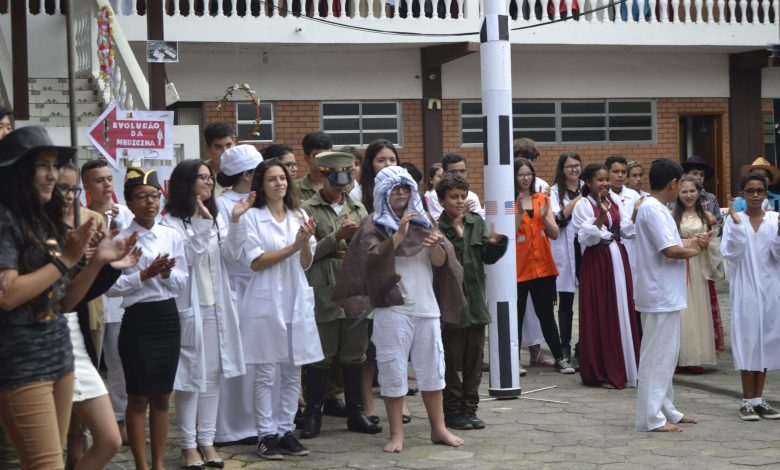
x=534, y=256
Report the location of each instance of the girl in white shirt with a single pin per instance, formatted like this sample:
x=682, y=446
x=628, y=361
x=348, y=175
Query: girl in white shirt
x=278, y=328
x=149, y=339
x=210, y=340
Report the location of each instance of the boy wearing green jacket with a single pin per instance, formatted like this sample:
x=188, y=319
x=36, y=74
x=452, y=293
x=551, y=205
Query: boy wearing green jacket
x=464, y=343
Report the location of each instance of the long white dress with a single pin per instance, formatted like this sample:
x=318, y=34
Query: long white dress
x=754, y=278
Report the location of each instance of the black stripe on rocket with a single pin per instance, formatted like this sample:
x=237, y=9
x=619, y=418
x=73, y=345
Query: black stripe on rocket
x=504, y=345
x=504, y=138
x=494, y=28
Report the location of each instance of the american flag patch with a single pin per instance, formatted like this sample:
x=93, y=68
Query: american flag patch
x=509, y=208
x=491, y=208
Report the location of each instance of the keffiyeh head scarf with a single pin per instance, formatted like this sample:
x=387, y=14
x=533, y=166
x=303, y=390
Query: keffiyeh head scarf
x=385, y=181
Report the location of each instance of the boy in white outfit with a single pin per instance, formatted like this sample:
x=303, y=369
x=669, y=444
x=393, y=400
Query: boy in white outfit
x=660, y=296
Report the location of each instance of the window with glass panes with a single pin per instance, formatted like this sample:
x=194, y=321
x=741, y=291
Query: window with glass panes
x=569, y=121
x=362, y=122
x=246, y=113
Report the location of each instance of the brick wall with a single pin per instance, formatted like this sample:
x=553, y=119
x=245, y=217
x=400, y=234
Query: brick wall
x=293, y=119
x=668, y=111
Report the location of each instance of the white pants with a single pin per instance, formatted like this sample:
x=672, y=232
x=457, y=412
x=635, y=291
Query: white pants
x=117, y=391
x=657, y=361
x=275, y=412
x=397, y=337
x=201, y=407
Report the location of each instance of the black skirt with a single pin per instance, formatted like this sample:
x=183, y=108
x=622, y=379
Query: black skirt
x=149, y=344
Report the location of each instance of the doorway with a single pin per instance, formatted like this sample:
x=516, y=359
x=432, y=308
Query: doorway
x=702, y=135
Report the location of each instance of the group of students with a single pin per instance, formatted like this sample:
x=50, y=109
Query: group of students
x=254, y=296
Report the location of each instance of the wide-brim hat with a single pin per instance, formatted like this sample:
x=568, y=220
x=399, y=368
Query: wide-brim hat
x=695, y=162
x=759, y=163
x=27, y=141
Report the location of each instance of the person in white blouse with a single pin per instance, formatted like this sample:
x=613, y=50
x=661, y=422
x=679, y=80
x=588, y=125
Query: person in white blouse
x=210, y=340
x=278, y=329
x=149, y=339
x=235, y=416
x=564, y=195
x=609, y=340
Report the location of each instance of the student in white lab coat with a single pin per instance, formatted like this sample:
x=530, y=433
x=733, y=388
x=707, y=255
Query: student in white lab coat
x=751, y=243
x=278, y=328
x=235, y=418
x=210, y=339
x=564, y=195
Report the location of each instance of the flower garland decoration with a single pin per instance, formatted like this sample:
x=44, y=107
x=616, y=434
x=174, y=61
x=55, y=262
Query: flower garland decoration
x=105, y=45
x=246, y=89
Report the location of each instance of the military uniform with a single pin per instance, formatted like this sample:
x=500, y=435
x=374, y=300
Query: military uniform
x=304, y=188
x=340, y=344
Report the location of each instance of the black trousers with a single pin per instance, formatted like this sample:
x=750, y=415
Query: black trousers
x=463, y=349
x=543, y=293
x=565, y=316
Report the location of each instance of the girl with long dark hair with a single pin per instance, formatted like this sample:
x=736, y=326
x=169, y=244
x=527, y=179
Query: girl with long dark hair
x=379, y=154
x=564, y=195
x=210, y=340
x=609, y=339
x=38, y=258
x=278, y=328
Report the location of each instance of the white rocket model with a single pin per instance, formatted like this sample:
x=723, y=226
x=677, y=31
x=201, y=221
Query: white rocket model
x=495, y=56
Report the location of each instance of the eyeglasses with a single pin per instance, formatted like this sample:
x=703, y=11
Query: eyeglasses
x=147, y=196
x=754, y=191
x=525, y=175
x=399, y=190
x=64, y=189
x=572, y=168
x=206, y=178
x=291, y=165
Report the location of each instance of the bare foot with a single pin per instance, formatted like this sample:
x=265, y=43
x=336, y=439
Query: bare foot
x=668, y=427
x=446, y=438
x=607, y=385
x=395, y=444
x=687, y=420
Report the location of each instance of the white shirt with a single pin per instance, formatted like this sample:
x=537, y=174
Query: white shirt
x=112, y=306
x=152, y=243
x=238, y=272
x=435, y=208
x=627, y=197
x=416, y=286
x=584, y=220
x=563, y=246
x=357, y=194
x=660, y=281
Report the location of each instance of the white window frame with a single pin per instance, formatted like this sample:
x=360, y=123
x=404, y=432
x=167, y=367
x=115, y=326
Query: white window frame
x=263, y=120
x=559, y=121
x=360, y=116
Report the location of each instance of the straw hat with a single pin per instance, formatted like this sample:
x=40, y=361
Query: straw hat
x=762, y=163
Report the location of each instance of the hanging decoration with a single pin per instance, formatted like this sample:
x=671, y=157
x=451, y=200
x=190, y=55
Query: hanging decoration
x=105, y=45
x=247, y=90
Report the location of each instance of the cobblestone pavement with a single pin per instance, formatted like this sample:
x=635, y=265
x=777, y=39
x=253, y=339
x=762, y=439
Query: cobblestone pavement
x=578, y=428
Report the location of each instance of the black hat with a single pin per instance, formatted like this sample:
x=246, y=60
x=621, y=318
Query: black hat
x=695, y=162
x=139, y=177
x=27, y=141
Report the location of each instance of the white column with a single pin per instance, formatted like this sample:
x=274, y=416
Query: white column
x=496, y=74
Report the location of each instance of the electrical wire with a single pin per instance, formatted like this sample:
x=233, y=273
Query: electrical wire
x=612, y=3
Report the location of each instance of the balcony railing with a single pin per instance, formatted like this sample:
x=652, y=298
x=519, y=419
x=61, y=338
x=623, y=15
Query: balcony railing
x=713, y=23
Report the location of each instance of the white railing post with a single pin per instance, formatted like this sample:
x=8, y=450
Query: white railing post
x=676, y=11
x=776, y=7
x=732, y=11
x=700, y=5
x=752, y=6
x=652, y=16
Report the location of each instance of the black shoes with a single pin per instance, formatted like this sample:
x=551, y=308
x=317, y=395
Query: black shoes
x=312, y=424
x=289, y=445
x=475, y=421
x=458, y=420
x=359, y=422
x=268, y=448
x=334, y=408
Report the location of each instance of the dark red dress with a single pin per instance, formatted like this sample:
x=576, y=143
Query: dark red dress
x=601, y=349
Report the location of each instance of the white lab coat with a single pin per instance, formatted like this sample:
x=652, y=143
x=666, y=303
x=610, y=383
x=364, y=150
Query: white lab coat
x=199, y=237
x=238, y=272
x=276, y=293
x=563, y=247
x=754, y=278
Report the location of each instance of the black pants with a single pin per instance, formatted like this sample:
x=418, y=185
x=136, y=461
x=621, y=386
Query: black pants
x=543, y=293
x=565, y=316
x=463, y=349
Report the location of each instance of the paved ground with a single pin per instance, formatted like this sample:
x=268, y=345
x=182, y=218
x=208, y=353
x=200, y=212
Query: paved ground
x=590, y=429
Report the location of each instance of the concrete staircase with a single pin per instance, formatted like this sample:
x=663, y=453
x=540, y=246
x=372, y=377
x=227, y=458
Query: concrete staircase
x=49, y=102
